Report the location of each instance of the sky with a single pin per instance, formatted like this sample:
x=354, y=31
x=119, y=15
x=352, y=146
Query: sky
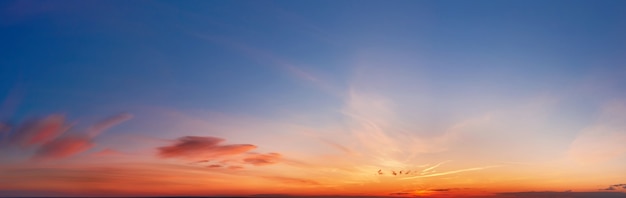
x=353, y=98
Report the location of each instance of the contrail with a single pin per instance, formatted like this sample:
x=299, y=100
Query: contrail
x=450, y=172
x=435, y=166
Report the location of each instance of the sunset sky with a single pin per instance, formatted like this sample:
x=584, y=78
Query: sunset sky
x=325, y=97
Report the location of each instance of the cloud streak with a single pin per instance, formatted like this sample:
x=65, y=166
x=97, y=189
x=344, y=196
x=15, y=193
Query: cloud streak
x=70, y=145
x=450, y=172
x=196, y=147
x=50, y=141
x=615, y=187
x=64, y=147
x=291, y=180
x=604, y=140
x=105, y=124
x=39, y=131
x=263, y=159
x=430, y=169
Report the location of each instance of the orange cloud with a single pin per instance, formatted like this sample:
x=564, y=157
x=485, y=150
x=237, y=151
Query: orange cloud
x=263, y=159
x=195, y=147
x=290, y=180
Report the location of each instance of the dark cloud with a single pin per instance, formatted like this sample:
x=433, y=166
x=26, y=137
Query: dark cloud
x=194, y=147
x=562, y=194
x=615, y=187
x=263, y=159
x=400, y=193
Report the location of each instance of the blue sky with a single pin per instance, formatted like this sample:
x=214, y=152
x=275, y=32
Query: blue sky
x=537, y=76
x=127, y=53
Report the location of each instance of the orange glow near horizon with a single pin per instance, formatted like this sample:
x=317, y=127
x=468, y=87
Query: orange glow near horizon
x=332, y=98
x=379, y=162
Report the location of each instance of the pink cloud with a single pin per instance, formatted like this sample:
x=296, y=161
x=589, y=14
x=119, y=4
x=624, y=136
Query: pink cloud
x=263, y=159
x=47, y=130
x=74, y=144
x=108, y=123
x=195, y=147
x=64, y=147
x=40, y=131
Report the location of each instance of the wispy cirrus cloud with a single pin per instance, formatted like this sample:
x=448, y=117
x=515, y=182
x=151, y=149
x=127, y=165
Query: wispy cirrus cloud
x=107, y=123
x=430, y=169
x=77, y=143
x=48, y=136
x=450, y=172
x=39, y=131
x=603, y=140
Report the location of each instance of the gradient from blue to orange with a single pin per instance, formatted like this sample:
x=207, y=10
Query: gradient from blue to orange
x=311, y=97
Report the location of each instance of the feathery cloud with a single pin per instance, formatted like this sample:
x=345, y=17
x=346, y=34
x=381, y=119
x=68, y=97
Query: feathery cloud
x=47, y=137
x=39, y=131
x=105, y=124
x=70, y=145
x=604, y=140
x=450, y=172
